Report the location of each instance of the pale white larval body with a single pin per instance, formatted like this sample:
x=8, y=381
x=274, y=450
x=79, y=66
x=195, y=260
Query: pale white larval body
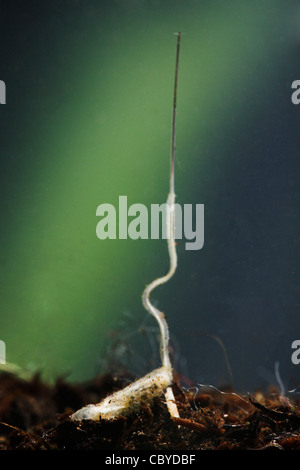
x=129, y=399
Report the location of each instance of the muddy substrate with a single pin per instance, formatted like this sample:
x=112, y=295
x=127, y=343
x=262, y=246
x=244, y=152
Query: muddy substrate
x=35, y=416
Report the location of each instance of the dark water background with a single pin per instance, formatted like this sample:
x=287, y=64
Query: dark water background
x=89, y=95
